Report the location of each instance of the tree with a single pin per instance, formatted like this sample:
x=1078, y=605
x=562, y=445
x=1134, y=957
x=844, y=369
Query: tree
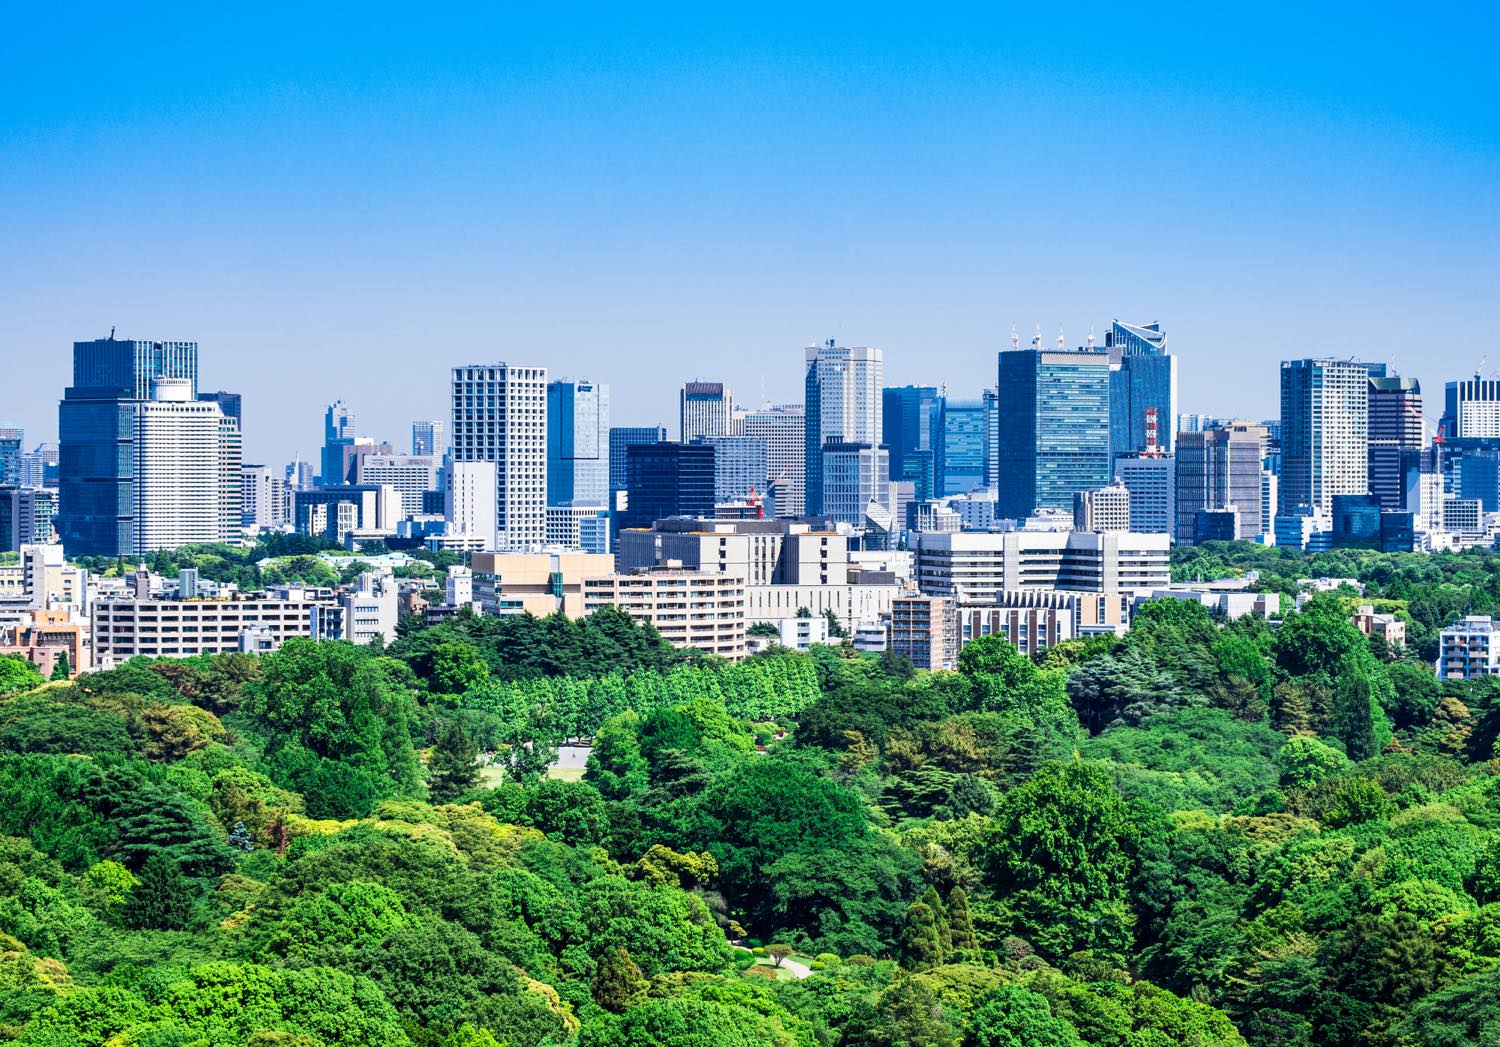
x=1357, y=800
x=961, y=922
x=926, y=938
x=618, y=984
x=456, y=667
x=61, y=668
x=18, y=674
x=1353, y=720
x=452, y=764
x=835, y=629
x=910, y=1016
x=1017, y=1017
x=161, y=900
x=1305, y=761
x=778, y=952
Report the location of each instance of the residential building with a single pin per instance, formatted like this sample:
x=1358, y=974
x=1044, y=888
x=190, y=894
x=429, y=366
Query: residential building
x=577, y=443
x=974, y=568
x=911, y=431
x=1469, y=649
x=45, y=637
x=1219, y=469
x=784, y=429
x=962, y=447
x=429, y=438
x=500, y=416
x=367, y=612
x=843, y=407
x=131, y=627
x=704, y=409
x=1054, y=428
x=1151, y=483
x=667, y=479
x=1395, y=427
x=850, y=604
x=925, y=629
x=704, y=610
x=1104, y=509
x=1387, y=627
x=412, y=475
x=1324, y=432
x=469, y=504
x=1142, y=385
x=535, y=583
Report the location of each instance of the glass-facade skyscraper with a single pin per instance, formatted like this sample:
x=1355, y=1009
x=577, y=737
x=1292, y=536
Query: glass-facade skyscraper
x=911, y=429
x=844, y=406
x=961, y=451
x=11, y=439
x=1325, y=417
x=1146, y=378
x=1054, y=428
x=577, y=443
x=621, y=439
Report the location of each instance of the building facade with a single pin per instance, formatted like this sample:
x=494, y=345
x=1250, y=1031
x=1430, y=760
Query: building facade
x=1144, y=384
x=1324, y=432
x=784, y=429
x=667, y=479
x=691, y=609
x=1395, y=428
x=1054, y=428
x=1104, y=509
x=975, y=568
x=1151, y=481
x=843, y=406
x=925, y=629
x=911, y=430
x=1219, y=469
x=577, y=443
x=704, y=409
x=500, y=416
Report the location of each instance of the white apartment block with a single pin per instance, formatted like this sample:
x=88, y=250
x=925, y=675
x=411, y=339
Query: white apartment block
x=1102, y=509
x=974, y=568
x=185, y=453
x=784, y=429
x=691, y=609
x=1469, y=649
x=126, y=628
x=411, y=474
x=500, y=416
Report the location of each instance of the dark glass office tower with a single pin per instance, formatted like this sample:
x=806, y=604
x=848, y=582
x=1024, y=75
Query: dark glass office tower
x=961, y=449
x=1146, y=378
x=665, y=480
x=96, y=437
x=1054, y=428
x=911, y=430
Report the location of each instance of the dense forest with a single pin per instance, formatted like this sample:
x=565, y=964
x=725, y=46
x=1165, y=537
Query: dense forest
x=1203, y=833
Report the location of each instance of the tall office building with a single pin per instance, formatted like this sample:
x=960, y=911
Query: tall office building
x=229, y=403
x=264, y=501
x=1054, y=428
x=185, y=482
x=1471, y=407
x=784, y=429
x=621, y=439
x=470, y=501
x=665, y=480
x=1105, y=509
x=704, y=409
x=577, y=443
x=11, y=439
x=911, y=429
x=961, y=447
x=1151, y=481
x=843, y=406
x=96, y=423
x=855, y=475
x=991, y=436
x=1219, y=470
x=429, y=438
x=741, y=466
x=338, y=438
x=1324, y=432
x=1395, y=427
x=412, y=475
x=500, y=416
x=1146, y=378
x=38, y=467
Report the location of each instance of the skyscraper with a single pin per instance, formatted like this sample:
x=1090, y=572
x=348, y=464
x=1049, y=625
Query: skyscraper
x=1219, y=470
x=1054, y=428
x=1152, y=484
x=577, y=443
x=11, y=439
x=96, y=423
x=428, y=438
x=500, y=416
x=1471, y=407
x=338, y=437
x=741, y=465
x=911, y=429
x=185, y=482
x=1395, y=427
x=665, y=480
x=1324, y=433
x=229, y=403
x=784, y=429
x=843, y=406
x=961, y=447
x=704, y=409
x=621, y=439
x=1145, y=378
x=991, y=436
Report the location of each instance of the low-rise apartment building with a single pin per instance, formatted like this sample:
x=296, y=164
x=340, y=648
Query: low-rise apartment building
x=698, y=609
x=130, y=627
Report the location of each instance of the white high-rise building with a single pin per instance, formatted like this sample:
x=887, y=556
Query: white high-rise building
x=1324, y=432
x=784, y=429
x=264, y=501
x=500, y=416
x=469, y=501
x=1102, y=509
x=411, y=474
x=186, y=451
x=705, y=409
x=843, y=406
x=429, y=438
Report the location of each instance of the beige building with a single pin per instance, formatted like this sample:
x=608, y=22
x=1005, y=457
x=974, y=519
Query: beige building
x=41, y=637
x=1386, y=626
x=130, y=627
x=536, y=583
x=925, y=629
x=1036, y=620
x=698, y=609
x=975, y=568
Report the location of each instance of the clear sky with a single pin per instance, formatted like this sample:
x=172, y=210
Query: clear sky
x=345, y=203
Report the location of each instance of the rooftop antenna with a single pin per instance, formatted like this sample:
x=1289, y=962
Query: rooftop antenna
x=1060, y=342
x=111, y=332
x=1015, y=337
x=1091, y=336
x=1036, y=339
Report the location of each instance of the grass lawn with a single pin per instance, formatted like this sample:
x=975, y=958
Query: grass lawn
x=493, y=775
x=782, y=973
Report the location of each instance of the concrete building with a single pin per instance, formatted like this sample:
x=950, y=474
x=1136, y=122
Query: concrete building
x=974, y=569
x=469, y=504
x=1386, y=626
x=535, y=583
x=784, y=429
x=429, y=438
x=925, y=629
x=185, y=482
x=265, y=502
x=704, y=409
x=763, y=552
x=368, y=612
x=131, y=627
x=1324, y=432
x=855, y=477
x=850, y=604
x=1104, y=509
x=1220, y=469
x=1151, y=484
x=584, y=527
x=799, y=634
x=704, y=610
x=1033, y=620
x=1469, y=649
x=1471, y=408
x=1054, y=428
x=45, y=637
x=500, y=416
x=410, y=474
x=1395, y=427
x=843, y=406
x=351, y=510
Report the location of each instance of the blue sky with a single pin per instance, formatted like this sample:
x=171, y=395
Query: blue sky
x=344, y=203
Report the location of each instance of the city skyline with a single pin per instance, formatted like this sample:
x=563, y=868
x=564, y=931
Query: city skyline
x=619, y=189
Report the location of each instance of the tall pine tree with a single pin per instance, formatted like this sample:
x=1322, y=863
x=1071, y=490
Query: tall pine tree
x=452, y=766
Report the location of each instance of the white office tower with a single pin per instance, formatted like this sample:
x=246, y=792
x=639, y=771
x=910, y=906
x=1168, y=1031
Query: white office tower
x=705, y=409
x=856, y=488
x=1269, y=483
x=500, y=416
x=784, y=429
x=185, y=453
x=1102, y=509
x=1152, y=486
x=265, y=503
x=469, y=502
x=411, y=474
x=1324, y=432
x=429, y=438
x=843, y=406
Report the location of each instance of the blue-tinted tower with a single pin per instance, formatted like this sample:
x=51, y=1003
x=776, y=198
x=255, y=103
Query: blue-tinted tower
x=1146, y=378
x=1054, y=428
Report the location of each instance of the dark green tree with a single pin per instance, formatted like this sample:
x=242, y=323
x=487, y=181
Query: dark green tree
x=161, y=900
x=62, y=669
x=452, y=763
x=618, y=984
